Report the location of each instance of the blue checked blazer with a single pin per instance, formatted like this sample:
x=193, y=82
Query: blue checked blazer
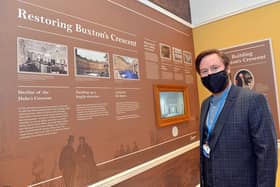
x=243, y=143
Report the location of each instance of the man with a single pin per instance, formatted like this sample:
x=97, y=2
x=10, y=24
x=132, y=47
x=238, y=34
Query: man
x=238, y=140
x=67, y=162
x=86, y=166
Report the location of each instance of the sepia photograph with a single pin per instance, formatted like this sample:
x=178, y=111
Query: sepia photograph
x=165, y=51
x=41, y=57
x=244, y=78
x=187, y=56
x=125, y=67
x=91, y=63
x=177, y=55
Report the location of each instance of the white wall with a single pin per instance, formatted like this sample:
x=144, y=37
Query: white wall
x=205, y=11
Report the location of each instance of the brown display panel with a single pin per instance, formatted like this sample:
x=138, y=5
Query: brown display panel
x=252, y=67
x=171, y=104
x=181, y=172
x=80, y=75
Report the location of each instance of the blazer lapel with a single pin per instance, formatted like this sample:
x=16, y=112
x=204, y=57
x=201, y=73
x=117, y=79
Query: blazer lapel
x=221, y=121
x=203, y=116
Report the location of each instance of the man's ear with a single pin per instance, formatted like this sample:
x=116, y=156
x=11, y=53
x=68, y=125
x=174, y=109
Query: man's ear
x=228, y=70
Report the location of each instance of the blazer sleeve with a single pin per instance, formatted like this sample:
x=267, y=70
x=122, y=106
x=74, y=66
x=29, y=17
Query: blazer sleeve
x=264, y=139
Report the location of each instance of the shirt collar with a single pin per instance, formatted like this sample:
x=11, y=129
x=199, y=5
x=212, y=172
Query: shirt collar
x=216, y=98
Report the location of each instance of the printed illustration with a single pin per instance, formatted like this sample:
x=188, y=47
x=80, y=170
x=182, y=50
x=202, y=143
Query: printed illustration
x=124, y=150
x=187, y=56
x=244, y=78
x=91, y=63
x=40, y=57
x=78, y=167
x=67, y=163
x=126, y=67
x=165, y=51
x=177, y=55
x=171, y=104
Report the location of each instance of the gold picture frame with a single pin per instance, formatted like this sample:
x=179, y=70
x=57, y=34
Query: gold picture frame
x=171, y=104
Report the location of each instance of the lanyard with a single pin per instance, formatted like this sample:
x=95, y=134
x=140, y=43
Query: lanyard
x=211, y=125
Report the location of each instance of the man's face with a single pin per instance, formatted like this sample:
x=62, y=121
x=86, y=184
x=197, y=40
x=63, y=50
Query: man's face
x=211, y=64
x=71, y=141
x=82, y=141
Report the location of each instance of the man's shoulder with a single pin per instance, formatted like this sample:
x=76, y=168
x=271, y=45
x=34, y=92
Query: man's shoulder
x=245, y=92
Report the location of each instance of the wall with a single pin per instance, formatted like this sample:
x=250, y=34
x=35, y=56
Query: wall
x=207, y=11
x=246, y=27
x=77, y=94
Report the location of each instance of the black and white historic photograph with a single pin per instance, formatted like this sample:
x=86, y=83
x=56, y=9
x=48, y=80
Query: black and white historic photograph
x=126, y=67
x=41, y=57
x=90, y=63
x=165, y=51
x=187, y=56
x=177, y=55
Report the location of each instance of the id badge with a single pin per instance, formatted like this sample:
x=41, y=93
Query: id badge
x=206, y=150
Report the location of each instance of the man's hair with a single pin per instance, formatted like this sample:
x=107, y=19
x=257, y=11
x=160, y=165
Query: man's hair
x=205, y=53
x=70, y=139
x=82, y=138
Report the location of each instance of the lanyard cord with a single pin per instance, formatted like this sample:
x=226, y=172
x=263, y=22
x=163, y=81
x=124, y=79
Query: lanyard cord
x=211, y=125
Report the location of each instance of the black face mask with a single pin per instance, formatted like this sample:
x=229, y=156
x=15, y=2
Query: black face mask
x=216, y=82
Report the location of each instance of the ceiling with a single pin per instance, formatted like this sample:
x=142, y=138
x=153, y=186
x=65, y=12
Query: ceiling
x=205, y=11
